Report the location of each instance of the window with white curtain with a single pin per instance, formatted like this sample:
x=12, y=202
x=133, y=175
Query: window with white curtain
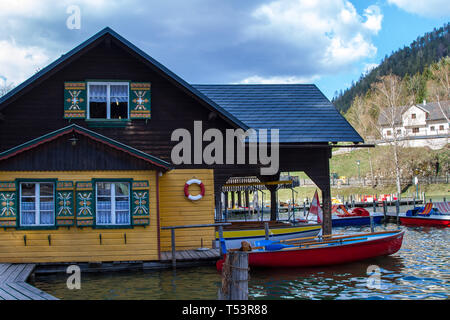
x=108, y=100
x=113, y=203
x=37, y=204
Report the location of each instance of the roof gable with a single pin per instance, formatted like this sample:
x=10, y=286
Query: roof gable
x=95, y=40
x=32, y=144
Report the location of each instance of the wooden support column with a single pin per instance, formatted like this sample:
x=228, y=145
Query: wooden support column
x=326, y=205
x=273, y=202
x=319, y=172
x=273, y=194
x=239, y=199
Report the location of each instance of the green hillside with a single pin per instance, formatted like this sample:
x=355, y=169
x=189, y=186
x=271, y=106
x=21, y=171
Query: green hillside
x=409, y=60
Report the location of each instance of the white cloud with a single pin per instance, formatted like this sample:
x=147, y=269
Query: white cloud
x=428, y=8
x=34, y=33
x=20, y=62
x=278, y=80
x=332, y=31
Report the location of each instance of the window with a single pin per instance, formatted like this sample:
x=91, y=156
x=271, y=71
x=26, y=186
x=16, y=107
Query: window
x=108, y=100
x=37, y=204
x=413, y=116
x=415, y=130
x=113, y=203
x=399, y=131
x=388, y=132
x=432, y=128
x=441, y=127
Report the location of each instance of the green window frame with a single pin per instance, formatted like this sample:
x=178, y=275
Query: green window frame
x=38, y=197
x=111, y=213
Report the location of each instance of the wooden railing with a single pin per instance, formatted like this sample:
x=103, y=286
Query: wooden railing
x=173, y=228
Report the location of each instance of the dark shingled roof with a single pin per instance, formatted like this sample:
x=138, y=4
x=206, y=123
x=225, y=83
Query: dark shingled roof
x=300, y=111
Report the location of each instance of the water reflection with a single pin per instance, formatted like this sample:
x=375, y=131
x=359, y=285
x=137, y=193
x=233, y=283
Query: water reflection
x=420, y=270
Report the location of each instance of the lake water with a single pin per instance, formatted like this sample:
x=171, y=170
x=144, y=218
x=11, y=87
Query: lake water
x=420, y=270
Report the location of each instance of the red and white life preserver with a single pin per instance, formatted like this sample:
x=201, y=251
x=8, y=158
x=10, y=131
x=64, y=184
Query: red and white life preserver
x=186, y=189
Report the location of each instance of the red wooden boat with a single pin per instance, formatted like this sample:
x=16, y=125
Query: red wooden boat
x=332, y=251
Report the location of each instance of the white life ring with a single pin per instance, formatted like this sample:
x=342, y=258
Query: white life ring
x=202, y=189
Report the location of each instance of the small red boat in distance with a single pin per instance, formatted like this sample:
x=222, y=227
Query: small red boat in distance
x=431, y=215
x=328, y=251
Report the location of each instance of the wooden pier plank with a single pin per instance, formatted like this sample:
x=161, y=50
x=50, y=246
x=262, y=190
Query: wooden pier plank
x=188, y=255
x=13, y=285
x=6, y=274
x=5, y=295
x=40, y=293
x=17, y=293
x=25, y=273
x=3, y=267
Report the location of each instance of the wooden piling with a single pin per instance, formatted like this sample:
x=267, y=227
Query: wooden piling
x=385, y=211
x=266, y=230
x=235, y=277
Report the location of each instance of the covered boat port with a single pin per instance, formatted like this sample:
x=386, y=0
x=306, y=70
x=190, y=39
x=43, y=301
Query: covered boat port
x=309, y=127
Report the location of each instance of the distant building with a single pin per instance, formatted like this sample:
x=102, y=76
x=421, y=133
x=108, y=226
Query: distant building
x=418, y=125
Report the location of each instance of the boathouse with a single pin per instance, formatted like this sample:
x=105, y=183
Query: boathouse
x=85, y=153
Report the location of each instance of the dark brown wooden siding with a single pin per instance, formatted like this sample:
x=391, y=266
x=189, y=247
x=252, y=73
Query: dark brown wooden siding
x=60, y=155
x=40, y=110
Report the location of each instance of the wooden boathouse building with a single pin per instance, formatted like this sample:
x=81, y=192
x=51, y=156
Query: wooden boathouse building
x=85, y=153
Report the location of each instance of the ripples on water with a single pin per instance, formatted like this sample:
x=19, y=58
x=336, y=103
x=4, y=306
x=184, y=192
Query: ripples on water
x=420, y=270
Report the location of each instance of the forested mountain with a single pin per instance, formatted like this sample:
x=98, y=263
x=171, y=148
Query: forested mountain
x=409, y=60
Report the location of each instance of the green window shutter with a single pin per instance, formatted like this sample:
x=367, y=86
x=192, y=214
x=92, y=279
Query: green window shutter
x=140, y=100
x=8, y=204
x=75, y=100
x=140, y=209
x=65, y=211
x=85, y=198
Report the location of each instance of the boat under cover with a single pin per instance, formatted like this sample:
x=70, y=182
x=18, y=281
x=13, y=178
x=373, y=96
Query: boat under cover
x=328, y=252
x=253, y=231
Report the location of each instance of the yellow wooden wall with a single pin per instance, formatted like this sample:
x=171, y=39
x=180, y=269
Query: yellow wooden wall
x=176, y=209
x=82, y=244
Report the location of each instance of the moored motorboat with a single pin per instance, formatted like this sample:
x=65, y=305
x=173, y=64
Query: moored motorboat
x=333, y=250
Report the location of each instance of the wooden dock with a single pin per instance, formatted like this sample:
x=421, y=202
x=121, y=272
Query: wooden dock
x=13, y=284
x=191, y=255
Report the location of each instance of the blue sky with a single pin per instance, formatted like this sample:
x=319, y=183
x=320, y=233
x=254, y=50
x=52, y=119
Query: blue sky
x=327, y=42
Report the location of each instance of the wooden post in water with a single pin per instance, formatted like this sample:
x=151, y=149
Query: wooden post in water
x=235, y=277
x=374, y=205
x=414, y=202
x=385, y=211
x=371, y=224
x=266, y=229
